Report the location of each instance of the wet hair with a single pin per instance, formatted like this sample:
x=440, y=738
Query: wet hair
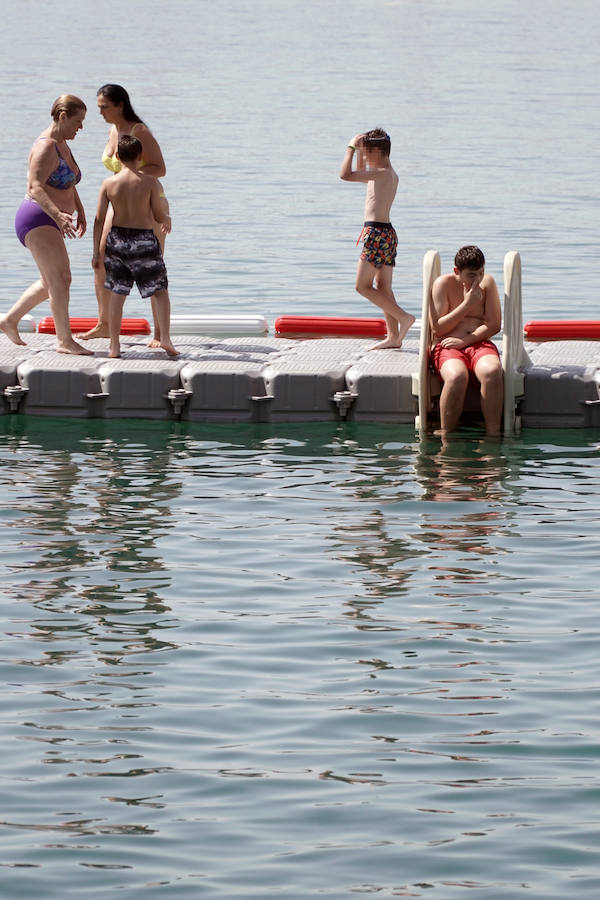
x=67, y=103
x=469, y=257
x=378, y=138
x=119, y=96
x=129, y=148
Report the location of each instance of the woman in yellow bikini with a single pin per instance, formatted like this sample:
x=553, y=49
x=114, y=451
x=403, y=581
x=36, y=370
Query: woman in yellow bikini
x=116, y=109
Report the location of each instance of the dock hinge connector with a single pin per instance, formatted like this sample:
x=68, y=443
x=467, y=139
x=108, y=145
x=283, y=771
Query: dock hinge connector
x=178, y=397
x=344, y=400
x=14, y=393
x=260, y=407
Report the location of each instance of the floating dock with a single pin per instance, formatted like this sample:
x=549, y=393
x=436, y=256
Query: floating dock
x=262, y=378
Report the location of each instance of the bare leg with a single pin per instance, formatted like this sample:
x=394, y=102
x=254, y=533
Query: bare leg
x=488, y=371
x=34, y=295
x=455, y=377
x=163, y=320
x=48, y=249
x=101, y=329
x=376, y=285
x=115, y=315
x=161, y=236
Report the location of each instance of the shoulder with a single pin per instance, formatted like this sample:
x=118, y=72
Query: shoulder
x=42, y=155
x=140, y=130
x=43, y=145
x=489, y=285
x=443, y=282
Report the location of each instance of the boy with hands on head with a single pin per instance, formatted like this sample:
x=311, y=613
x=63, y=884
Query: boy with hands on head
x=378, y=257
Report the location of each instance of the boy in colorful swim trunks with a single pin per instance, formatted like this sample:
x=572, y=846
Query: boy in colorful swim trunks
x=133, y=254
x=465, y=313
x=378, y=258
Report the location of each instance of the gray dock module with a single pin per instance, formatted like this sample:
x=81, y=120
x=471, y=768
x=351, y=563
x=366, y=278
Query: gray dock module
x=562, y=385
x=128, y=385
x=380, y=385
x=273, y=379
x=59, y=384
x=304, y=381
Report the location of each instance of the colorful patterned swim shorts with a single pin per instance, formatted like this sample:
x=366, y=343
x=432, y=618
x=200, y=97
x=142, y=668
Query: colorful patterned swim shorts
x=134, y=255
x=381, y=242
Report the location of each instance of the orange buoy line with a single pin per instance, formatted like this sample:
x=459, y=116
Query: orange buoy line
x=81, y=324
x=335, y=325
x=563, y=330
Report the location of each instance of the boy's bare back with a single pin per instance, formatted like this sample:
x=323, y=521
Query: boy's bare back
x=135, y=198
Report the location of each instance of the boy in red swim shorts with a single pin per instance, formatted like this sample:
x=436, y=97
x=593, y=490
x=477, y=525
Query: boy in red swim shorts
x=378, y=258
x=465, y=313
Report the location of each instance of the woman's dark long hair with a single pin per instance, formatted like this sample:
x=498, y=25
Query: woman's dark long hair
x=117, y=94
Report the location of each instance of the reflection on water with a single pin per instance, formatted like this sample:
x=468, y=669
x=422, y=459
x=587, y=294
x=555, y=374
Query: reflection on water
x=329, y=649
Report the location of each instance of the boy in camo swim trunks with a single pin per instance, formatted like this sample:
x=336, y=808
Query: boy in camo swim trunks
x=378, y=258
x=132, y=250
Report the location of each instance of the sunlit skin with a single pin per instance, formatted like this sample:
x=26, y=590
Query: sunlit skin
x=374, y=169
x=47, y=244
x=465, y=310
x=154, y=164
x=134, y=198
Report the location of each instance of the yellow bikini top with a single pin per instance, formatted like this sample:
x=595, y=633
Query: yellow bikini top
x=113, y=163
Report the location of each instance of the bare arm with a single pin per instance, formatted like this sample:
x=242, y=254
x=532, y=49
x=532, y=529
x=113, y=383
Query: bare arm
x=81, y=220
x=99, y=224
x=361, y=173
x=42, y=162
x=492, y=314
x=445, y=320
x=158, y=210
x=154, y=163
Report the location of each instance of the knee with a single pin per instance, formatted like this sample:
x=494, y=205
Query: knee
x=60, y=280
x=455, y=379
x=491, y=376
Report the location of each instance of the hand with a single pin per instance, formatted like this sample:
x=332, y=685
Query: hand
x=81, y=224
x=65, y=223
x=474, y=294
x=96, y=261
x=453, y=343
x=356, y=141
x=165, y=227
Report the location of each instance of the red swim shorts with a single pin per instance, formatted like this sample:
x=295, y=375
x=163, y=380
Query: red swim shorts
x=470, y=355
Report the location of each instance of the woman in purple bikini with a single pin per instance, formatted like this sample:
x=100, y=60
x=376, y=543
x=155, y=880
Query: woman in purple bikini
x=45, y=218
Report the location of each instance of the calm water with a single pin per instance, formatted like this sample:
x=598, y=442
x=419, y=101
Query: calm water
x=314, y=660
x=324, y=661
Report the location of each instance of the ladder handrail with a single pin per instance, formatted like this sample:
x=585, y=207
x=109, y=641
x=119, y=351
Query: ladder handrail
x=514, y=354
x=431, y=270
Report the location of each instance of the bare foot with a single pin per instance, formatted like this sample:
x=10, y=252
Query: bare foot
x=155, y=343
x=98, y=331
x=168, y=347
x=115, y=350
x=392, y=341
x=11, y=332
x=73, y=349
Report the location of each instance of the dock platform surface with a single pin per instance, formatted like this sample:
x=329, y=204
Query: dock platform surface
x=273, y=379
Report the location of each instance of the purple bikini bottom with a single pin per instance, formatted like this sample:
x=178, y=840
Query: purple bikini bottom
x=31, y=215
